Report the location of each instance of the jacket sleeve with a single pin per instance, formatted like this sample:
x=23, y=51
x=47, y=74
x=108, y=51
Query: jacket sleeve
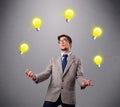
x=45, y=74
x=79, y=76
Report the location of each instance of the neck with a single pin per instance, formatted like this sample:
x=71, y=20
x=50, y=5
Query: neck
x=66, y=52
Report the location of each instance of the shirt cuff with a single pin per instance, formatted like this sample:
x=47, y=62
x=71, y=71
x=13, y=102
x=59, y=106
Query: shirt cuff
x=36, y=80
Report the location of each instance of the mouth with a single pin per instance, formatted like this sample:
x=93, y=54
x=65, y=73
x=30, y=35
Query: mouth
x=62, y=45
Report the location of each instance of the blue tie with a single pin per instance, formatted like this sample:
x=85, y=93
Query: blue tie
x=64, y=61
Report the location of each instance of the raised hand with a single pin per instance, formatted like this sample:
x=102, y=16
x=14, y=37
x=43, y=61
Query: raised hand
x=87, y=83
x=30, y=74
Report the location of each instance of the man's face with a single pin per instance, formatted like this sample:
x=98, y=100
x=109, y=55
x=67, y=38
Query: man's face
x=64, y=44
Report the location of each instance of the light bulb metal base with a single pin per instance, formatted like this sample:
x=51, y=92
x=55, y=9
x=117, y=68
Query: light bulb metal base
x=67, y=20
x=37, y=29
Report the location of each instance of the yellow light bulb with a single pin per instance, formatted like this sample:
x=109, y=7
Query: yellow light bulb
x=98, y=59
x=97, y=32
x=24, y=47
x=37, y=23
x=69, y=14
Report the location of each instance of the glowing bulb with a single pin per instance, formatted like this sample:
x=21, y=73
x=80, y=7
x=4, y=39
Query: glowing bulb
x=98, y=59
x=69, y=14
x=97, y=32
x=24, y=47
x=37, y=23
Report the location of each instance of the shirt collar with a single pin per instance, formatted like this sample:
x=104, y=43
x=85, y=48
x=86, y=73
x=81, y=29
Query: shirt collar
x=67, y=54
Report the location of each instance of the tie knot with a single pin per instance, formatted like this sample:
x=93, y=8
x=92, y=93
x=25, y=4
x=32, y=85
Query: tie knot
x=65, y=56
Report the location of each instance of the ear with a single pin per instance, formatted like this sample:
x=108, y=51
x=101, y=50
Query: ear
x=70, y=45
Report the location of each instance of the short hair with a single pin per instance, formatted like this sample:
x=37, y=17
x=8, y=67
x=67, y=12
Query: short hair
x=64, y=35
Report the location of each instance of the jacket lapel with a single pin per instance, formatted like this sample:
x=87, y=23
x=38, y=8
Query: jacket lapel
x=60, y=64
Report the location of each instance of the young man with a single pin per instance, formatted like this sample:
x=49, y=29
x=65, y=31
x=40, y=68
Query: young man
x=64, y=70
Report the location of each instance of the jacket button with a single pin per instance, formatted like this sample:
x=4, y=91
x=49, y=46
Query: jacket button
x=62, y=80
x=61, y=87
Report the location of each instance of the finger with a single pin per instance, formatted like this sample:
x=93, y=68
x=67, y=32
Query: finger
x=86, y=83
x=26, y=71
x=30, y=73
x=91, y=84
x=33, y=77
x=88, y=80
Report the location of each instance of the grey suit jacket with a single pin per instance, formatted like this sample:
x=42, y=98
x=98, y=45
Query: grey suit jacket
x=62, y=83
